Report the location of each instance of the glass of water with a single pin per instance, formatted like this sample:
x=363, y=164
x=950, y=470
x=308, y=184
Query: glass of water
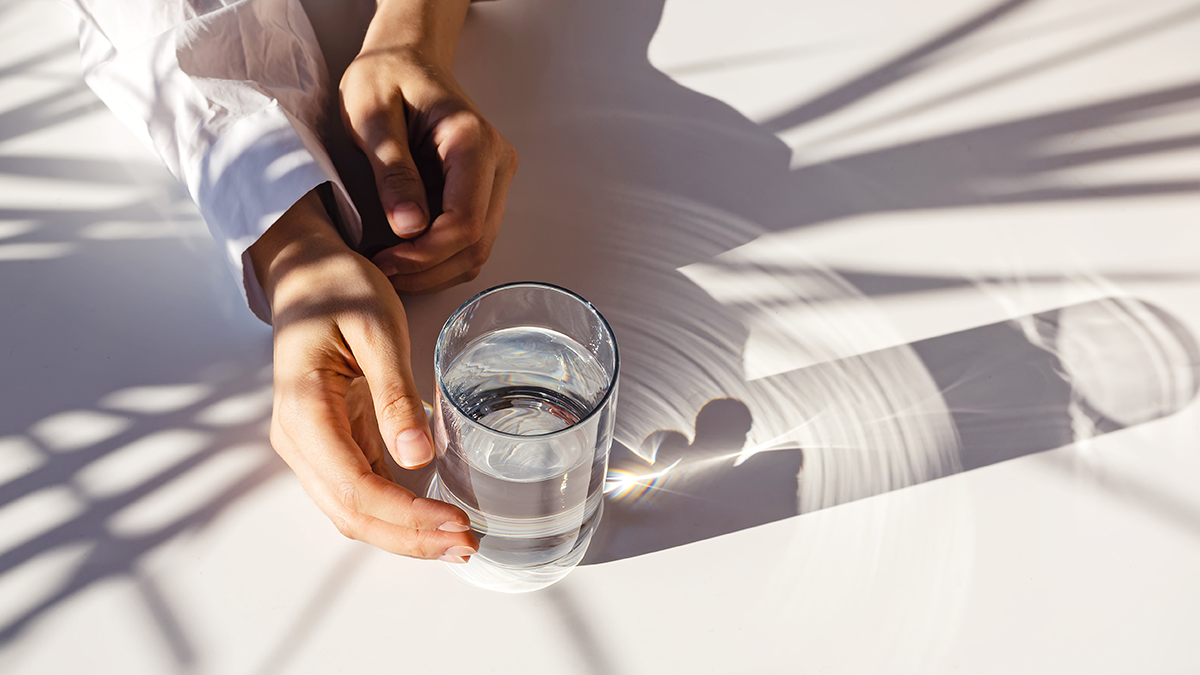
x=526, y=396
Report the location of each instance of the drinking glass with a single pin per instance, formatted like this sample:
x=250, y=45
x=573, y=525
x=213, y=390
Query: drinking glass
x=523, y=420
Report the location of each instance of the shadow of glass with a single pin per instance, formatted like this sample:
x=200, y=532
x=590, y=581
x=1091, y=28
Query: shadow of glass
x=992, y=394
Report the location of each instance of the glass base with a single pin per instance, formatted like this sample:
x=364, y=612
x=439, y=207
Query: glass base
x=493, y=576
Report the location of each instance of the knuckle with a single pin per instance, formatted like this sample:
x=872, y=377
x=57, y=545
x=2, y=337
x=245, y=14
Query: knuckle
x=472, y=274
x=283, y=419
x=348, y=496
x=426, y=544
x=347, y=524
x=399, y=177
x=492, y=138
x=346, y=515
x=471, y=130
x=509, y=159
x=473, y=227
x=400, y=406
x=277, y=436
x=477, y=256
x=474, y=125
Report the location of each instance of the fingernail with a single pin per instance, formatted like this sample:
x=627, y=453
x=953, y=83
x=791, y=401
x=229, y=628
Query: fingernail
x=413, y=447
x=459, y=551
x=408, y=219
x=451, y=526
x=457, y=560
x=388, y=270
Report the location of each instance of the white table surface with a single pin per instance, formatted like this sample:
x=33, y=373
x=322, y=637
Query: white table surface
x=827, y=224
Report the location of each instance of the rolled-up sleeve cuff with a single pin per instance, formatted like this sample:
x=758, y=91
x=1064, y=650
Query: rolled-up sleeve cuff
x=254, y=173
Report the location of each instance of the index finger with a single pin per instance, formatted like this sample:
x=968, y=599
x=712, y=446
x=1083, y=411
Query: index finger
x=469, y=163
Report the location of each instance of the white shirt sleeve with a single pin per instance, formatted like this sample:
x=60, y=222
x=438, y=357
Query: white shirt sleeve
x=229, y=94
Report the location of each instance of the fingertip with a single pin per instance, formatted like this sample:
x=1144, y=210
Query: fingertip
x=408, y=220
x=458, y=554
x=434, y=543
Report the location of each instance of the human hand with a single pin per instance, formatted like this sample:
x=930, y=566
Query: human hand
x=405, y=110
x=344, y=392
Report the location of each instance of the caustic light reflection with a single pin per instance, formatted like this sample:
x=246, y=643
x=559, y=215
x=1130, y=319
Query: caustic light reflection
x=628, y=484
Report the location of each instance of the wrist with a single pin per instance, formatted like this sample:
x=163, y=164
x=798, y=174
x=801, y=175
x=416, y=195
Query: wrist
x=300, y=237
x=426, y=30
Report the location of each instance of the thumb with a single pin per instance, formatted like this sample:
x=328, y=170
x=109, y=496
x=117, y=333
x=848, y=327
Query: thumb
x=384, y=139
x=385, y=363
x=402, y=421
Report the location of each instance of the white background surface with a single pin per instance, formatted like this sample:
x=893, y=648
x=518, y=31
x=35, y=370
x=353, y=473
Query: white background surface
x=770, y=200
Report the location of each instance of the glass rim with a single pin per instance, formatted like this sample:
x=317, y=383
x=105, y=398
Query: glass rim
x=609, y=388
